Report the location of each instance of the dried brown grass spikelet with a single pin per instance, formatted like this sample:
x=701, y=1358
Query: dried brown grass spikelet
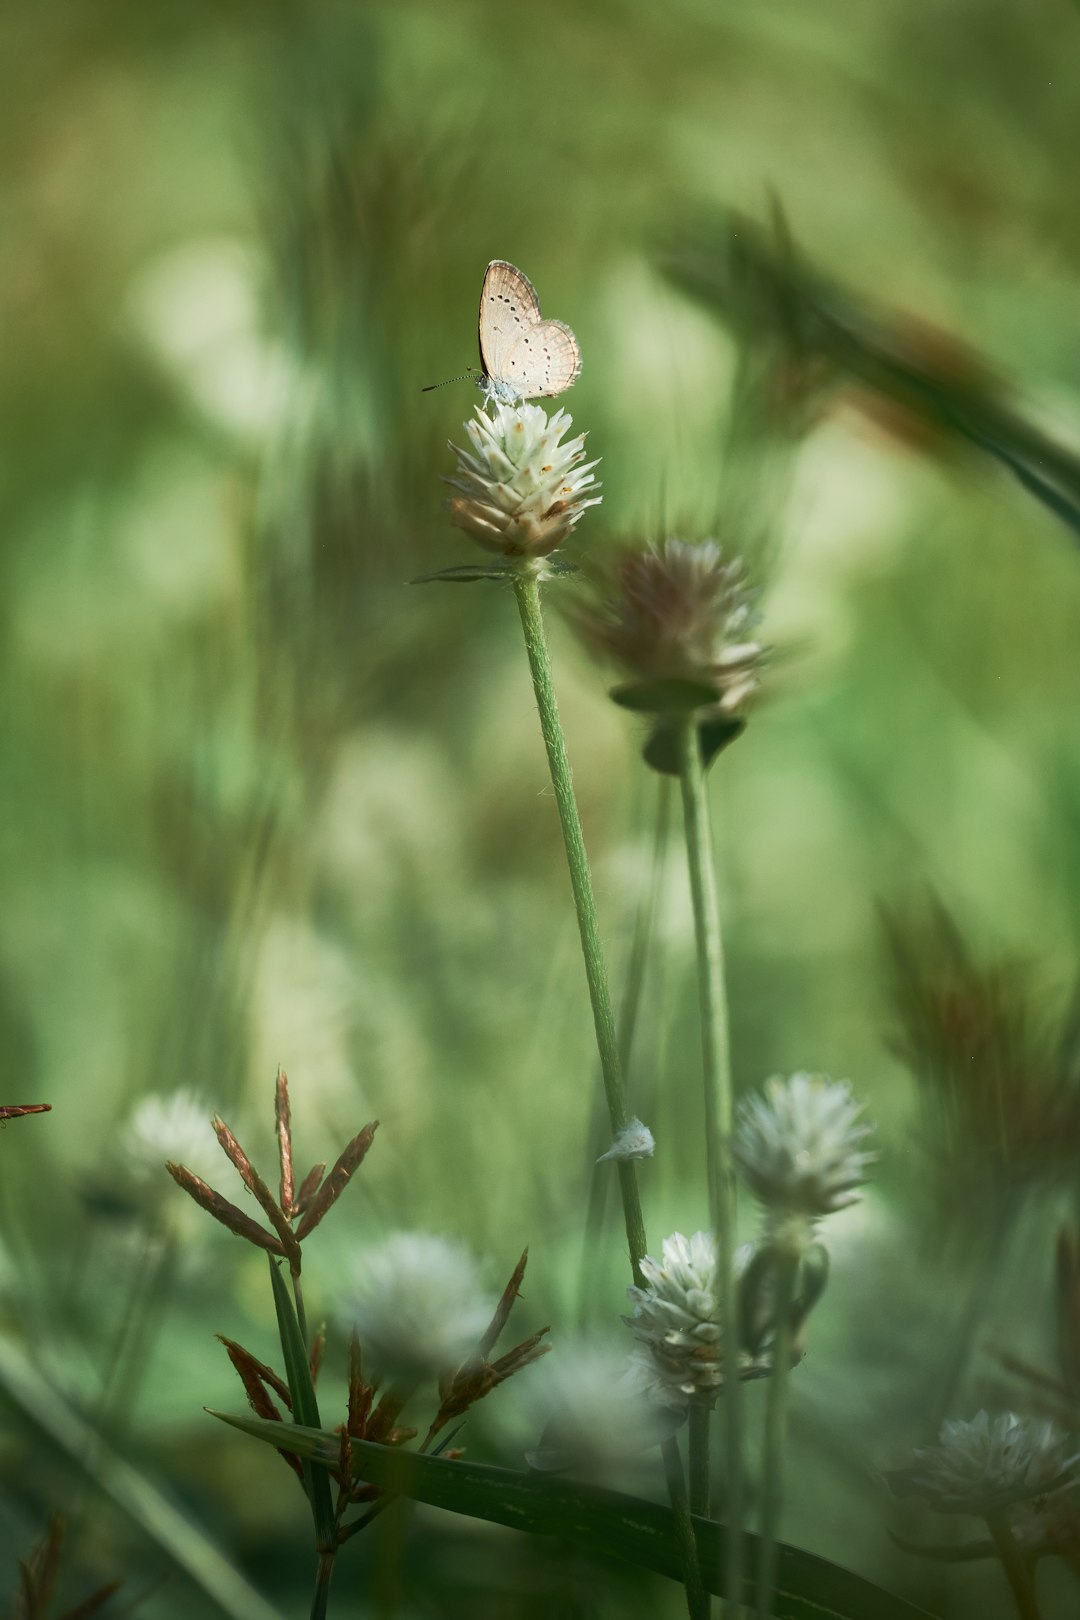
x=17, y=1110
x=309, y=1205
x=308, y=1188
x=1001, y=1107
x=332, y=1188
x=283, y=1121
x=259, y=1191
x=221, y=1209
x=258, y=1379
x=37, y=1580
x=478, y=1376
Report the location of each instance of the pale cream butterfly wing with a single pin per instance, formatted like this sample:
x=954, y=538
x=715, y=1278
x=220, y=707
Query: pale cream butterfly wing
x=523, y=356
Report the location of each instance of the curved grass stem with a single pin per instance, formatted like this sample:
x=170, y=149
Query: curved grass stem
x=527, y=592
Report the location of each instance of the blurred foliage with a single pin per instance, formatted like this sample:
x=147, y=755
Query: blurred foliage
x=264, y=805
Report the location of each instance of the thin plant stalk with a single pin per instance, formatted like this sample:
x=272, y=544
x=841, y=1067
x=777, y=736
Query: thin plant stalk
x=716, y=1064
x=1017, y=1570
x=698, y=1427
x=644, y=923
x=775, y=1427
x=324, y=1571
x=697, y=1599
x=527, y=592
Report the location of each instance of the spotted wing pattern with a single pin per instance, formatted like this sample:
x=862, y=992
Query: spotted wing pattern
x=523, y=356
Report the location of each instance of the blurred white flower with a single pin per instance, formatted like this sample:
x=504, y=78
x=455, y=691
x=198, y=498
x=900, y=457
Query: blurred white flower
x=597, y=1406
x=986, y=1464
x=797, y=1146
x=634, y=1141
x=678, y=611
x=520, y=489
x=417, y=1307
x=176, y=1127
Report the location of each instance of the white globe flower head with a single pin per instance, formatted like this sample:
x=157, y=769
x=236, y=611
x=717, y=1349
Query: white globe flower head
x=417, y=1307
x=597, y=1406
x=520, y=489
x=986, y=1464
x=797, y=1145
x=677, y=1316
x=177, y=1127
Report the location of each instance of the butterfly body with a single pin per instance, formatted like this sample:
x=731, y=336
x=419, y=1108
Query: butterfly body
x=522, y=355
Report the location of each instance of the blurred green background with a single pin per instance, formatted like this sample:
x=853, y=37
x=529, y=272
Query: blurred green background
x=263, y=804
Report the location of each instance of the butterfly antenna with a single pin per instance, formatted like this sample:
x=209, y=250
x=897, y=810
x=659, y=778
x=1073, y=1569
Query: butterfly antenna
x=460, y=378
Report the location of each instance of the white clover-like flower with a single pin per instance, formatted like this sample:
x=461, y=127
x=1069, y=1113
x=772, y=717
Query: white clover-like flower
x=417, y=1307
x=677, y=1317
x=797, y=1146
x=986, y=1464
x=678, y=1321
x=521, y=490
x=634, y=1141
x=176, y=1127
x=597, y=1406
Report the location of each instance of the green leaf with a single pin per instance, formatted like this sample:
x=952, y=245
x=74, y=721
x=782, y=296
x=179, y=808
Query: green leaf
x=597, y=1520
x=305, y=1404
x=552, y=567
x=664, y=697
x=661, y=752
x=466, y=574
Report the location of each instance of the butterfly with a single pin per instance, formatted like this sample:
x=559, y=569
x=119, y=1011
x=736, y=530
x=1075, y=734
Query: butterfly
x=522, y=355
